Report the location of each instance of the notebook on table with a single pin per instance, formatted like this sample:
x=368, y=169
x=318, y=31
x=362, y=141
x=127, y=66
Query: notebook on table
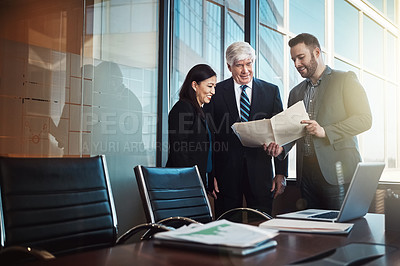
x=357, y=200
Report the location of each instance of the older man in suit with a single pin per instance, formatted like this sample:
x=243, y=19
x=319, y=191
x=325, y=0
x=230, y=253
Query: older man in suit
x=338, y=107
x=243, y=171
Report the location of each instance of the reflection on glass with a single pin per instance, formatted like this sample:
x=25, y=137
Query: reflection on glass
x=188, y=42
x=374, y=88
x=236, y=5
x=213, y=46
x=234, y=33
x=116, y=120
x=188, y=24
x=122, y=118
x=308, y=16
x=271, y=57
x=346, y=30
x=189, y=51
x=373, y=45
x=271, y=13
x=234, y=28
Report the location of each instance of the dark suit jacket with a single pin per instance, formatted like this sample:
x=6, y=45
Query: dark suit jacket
x=343, y=111
x=228, y=151
x=188, y=138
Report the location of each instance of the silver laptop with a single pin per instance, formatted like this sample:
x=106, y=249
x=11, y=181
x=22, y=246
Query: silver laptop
x=357, y=201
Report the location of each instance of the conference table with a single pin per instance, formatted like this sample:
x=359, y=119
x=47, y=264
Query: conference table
x=291, y=247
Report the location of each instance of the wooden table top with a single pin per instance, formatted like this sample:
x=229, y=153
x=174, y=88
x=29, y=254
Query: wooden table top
x=291, y=247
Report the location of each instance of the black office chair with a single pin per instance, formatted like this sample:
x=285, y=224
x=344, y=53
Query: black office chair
x=55, y=206
x=176, y=196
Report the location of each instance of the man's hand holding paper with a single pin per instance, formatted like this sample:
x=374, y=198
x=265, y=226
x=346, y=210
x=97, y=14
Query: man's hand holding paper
x=280, y=129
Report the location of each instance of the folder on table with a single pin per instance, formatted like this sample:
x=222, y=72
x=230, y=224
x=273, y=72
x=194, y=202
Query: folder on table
x=219, y=237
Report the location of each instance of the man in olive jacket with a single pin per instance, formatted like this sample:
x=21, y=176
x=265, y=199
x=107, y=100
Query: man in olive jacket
x=336, y=102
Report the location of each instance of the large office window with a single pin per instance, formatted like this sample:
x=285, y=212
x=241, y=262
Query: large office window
x=206, y=45
x=79, y=78
x=213, y=37
x=392, y=53
x=361, y=41
x=271, y=57
x=373, y=45
x=271, y=46
x=308, y=16
x=347, y=41
x=121, y=81
x=374, y=87
x=271, y=13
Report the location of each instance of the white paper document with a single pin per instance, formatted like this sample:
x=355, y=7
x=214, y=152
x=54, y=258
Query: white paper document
x=220, y=232
x=281, y=128
x=307, y=226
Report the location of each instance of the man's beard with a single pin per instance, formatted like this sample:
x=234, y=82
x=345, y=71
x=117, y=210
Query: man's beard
x=311, y=67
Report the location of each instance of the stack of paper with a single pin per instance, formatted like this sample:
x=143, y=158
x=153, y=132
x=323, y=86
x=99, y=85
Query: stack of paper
x=281, y=128
x=291, y=225
x=219, y=236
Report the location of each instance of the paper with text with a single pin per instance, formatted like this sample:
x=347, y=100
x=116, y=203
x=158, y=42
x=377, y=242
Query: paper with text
x=281, y=128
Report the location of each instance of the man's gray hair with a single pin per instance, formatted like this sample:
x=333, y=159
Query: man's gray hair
x=238, y=51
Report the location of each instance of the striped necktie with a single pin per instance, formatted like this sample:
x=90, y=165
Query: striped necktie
x=244, y=105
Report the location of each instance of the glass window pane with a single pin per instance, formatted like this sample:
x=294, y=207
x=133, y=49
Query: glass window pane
x=271, y=13
x=188, y=32
x=82, y=98
x=202, y=43
x=373, y=45
x=392, y=63
x=188, y=24
x=271, y=57
x=121, y=120
x=343, y=66
x=234, y=33
x=391, y=9
x=308, y=16
x=236, y=5
x=346, y=30
x=213, y=40
x=234, y=28
x=375, y=92
x=391, y=128
x=378, y=4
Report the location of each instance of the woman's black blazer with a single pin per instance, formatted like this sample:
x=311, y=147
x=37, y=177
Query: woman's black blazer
x=188, y=138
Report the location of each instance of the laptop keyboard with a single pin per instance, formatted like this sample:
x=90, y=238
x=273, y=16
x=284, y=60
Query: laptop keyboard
x=327, y=215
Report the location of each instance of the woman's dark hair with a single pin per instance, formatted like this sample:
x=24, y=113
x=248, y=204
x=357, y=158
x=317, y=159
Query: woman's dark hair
x=197, y=73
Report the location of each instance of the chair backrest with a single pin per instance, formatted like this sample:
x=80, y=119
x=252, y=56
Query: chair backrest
x=170, y=192
x=61, y=205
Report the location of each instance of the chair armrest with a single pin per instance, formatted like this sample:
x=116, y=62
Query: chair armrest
x=15, y=254
x=151, y=228
x=253, y=215
x=177, y=221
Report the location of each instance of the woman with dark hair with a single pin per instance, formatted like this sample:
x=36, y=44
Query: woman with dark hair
x=190, y=139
